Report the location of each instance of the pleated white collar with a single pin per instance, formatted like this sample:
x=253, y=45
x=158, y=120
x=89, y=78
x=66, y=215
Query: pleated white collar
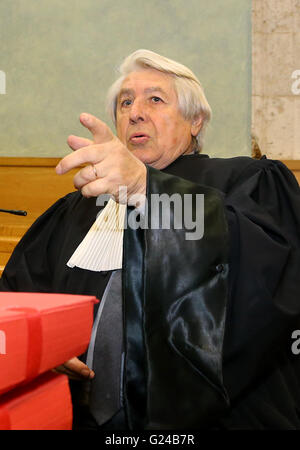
x=102, y=247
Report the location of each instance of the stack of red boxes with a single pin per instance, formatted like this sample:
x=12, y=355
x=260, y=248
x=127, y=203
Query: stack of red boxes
x=39, y=332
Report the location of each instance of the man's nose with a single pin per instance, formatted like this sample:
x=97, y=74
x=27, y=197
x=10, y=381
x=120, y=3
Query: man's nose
x=137, y=112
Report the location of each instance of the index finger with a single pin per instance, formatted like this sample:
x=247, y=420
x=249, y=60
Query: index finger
x=101, y=132
x=76, y=142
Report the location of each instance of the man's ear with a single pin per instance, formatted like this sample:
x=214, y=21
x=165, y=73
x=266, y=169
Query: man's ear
x=196, y=125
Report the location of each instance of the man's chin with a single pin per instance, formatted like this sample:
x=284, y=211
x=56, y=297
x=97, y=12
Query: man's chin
x=143, y=154
x=156, y=163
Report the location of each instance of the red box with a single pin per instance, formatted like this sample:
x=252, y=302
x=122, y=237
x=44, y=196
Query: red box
x=41, y=331
x=43, y=404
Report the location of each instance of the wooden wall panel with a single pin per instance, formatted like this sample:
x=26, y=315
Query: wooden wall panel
x=29, y=184
x=294, y=166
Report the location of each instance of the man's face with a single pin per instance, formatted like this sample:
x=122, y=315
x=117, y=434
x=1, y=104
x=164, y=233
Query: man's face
x=149, y=122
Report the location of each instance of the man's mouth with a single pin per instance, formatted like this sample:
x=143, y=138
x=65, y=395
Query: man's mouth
x=138, y=138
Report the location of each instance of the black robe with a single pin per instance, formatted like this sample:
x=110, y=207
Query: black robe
x=207, y=322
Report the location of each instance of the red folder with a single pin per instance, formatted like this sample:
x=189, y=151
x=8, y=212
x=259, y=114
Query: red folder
x=39, y=332
x=43, y=404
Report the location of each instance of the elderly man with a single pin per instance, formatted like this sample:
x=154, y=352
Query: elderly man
x=191, y=332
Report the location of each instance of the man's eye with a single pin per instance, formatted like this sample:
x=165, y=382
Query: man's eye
x=126, y=102
x=156, y=99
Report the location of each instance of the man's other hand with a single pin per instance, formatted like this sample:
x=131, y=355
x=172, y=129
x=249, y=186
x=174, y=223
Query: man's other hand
x=75, y=369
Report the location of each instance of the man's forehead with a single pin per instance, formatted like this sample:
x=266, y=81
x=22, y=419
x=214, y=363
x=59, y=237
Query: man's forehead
x=148, y=81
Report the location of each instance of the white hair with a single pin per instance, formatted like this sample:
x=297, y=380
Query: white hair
x=192, y=102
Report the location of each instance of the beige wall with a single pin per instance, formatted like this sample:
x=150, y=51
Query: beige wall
x=59, y=58
x=275, y=80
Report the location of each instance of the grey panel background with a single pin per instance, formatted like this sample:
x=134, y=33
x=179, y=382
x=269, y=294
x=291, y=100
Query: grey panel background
x=60, y=57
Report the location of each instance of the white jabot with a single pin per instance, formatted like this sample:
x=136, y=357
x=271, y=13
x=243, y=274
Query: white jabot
x=102, y=247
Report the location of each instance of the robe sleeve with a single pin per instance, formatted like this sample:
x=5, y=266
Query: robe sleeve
x=31, y=265
x=216, y=311
x=263, y=213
